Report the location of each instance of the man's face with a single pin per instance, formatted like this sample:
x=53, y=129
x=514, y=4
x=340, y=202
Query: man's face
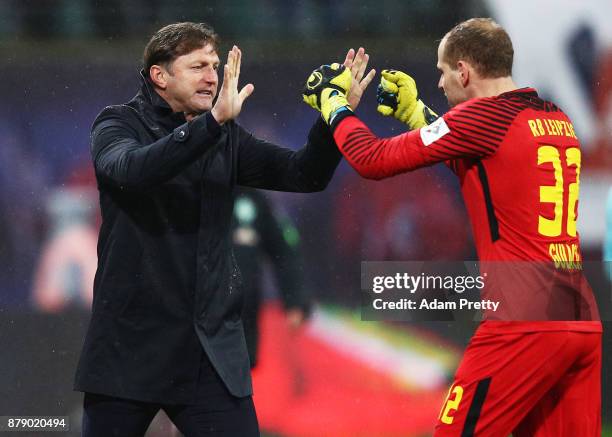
x=192, y=81
x=450, y=79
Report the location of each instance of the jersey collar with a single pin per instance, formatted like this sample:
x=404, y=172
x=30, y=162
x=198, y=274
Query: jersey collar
x=523, y=92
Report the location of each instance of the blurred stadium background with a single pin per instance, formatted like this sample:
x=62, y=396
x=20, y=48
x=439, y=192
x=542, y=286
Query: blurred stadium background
x=64, y=60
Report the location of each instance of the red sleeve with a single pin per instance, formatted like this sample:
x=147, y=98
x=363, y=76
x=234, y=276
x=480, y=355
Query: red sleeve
x=474, y=129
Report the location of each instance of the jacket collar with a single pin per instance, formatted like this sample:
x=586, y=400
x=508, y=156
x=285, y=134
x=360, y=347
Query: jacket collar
x=161, y=113
x=151, y=95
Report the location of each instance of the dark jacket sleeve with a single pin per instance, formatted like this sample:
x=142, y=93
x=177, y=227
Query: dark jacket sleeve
x=281, y=244
x=121, y=160
x=268, y=166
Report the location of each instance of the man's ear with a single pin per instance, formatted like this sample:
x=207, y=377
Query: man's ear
x=463, y=69
x=159, y=76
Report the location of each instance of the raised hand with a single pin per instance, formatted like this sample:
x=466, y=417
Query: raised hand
x=397, y=95
x=326, y=90
x=229, y=102
x=357, y=62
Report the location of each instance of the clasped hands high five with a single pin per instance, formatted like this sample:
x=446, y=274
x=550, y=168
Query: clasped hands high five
x=335, y=89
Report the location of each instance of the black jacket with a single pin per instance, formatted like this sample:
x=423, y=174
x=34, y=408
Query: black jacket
x=167, y=286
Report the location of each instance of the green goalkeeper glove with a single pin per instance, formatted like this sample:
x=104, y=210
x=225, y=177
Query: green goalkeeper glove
x=397, y=95
x=326, y=91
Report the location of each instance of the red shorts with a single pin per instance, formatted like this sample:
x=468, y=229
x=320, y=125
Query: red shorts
x=528, y=384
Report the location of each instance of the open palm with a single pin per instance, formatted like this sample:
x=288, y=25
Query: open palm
x=229, y=102
x=357, y=62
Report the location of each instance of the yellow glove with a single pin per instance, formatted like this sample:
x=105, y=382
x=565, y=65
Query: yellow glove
x=397, y=95
x=326, y=90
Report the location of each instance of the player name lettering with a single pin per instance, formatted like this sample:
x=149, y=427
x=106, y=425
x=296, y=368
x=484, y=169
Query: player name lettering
x=547, y=126
x=565, y=256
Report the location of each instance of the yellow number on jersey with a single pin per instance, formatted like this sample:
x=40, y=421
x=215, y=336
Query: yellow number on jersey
x=554, y=193
x=572, y=157
x=451, y=404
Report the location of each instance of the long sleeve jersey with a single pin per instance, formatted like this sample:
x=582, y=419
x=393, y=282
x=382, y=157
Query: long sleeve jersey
x=517, y=158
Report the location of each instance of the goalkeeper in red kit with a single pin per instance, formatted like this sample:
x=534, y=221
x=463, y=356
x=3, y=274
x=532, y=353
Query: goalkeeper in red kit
x=535, y=369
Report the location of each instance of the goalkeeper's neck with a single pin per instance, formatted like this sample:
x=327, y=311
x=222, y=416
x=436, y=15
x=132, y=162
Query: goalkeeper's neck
x=491, y=87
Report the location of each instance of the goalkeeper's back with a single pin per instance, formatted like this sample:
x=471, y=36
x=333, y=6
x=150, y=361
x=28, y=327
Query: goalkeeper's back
x=522, y=197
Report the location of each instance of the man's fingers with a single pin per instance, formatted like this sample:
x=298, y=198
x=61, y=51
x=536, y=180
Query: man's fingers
x=367, y=80
x=348, y=60
x=229, y=66
x=238, y=60
x=234, y=61
x=226, y=74
x=246, y=91
x=357, y=62
x=363, y=66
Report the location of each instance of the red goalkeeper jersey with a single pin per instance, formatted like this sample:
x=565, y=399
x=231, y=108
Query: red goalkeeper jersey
x=518, y=162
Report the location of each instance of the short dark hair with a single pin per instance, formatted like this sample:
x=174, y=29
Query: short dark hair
x=482, y=42
x=175, y=40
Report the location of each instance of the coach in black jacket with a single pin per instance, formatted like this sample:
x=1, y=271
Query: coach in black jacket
x=165, y=331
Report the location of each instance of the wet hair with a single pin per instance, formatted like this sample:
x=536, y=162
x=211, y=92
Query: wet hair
x=175, y=40
x=483, y=43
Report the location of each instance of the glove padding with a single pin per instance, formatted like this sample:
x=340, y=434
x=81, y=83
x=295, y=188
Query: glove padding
x=326, y=90
x=397, y=95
